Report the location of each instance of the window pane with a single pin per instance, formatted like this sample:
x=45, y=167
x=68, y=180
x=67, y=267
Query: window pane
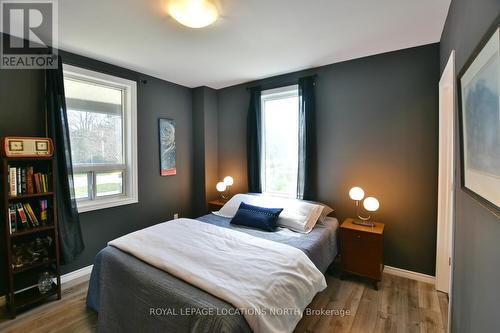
x=81, y=185
x=281, y=128
x=95, y=117
x=109, y=183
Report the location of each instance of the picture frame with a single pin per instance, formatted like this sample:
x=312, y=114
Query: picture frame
x=479, y=121
x=166, y=134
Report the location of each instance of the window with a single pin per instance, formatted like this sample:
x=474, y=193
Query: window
x=103, y=133
x=280, y=144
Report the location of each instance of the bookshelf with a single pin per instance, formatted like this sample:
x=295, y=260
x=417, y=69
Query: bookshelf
x=31, y=246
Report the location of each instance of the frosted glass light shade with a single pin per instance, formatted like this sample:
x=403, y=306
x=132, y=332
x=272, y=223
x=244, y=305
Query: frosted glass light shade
x=371, y=204
x=193, y=13
x=357, y=193
x=229, y=181
x=221, y=187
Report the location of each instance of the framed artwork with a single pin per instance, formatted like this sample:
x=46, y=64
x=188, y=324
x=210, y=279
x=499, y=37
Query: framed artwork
x=479, y=116
x=167, y=147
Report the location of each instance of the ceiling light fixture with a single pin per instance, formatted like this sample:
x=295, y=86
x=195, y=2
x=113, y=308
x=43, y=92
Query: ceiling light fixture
x=193, y=13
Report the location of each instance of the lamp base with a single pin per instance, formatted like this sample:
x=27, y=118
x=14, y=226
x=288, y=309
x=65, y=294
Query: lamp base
x=363, y=223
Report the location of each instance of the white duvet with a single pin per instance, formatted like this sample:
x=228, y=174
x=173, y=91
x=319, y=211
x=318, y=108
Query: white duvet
x=269, y=282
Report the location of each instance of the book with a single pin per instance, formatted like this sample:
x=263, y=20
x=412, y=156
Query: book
x=34, y=215
x=31, y=215
x=22, y=215
x=36, y=178
x=13, y=182
x=29, y=180
x=28, y=217
x=18, y=180
x=45, y=183
x=12, y=219
x=24, y=180
x=43, y=211
x=10, y=222
x=24, y=183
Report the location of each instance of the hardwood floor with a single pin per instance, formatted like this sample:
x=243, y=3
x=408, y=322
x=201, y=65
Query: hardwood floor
x=400, y=305
x=67, y=315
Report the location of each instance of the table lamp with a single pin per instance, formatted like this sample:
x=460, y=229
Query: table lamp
x=357, y=194
x=228, y=181
x=370, y=204
x=221, y=187
x=224, y=187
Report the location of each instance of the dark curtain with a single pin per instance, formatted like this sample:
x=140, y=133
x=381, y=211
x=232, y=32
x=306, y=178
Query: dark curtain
x=70, y=234
x=254, y=137
x=306, y=181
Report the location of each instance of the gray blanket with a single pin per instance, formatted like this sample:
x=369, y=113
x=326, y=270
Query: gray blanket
x=132, y=296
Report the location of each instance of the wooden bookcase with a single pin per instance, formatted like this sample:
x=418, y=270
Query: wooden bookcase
x=22, y=280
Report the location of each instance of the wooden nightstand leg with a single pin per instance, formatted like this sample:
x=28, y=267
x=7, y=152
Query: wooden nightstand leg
x=375, y=284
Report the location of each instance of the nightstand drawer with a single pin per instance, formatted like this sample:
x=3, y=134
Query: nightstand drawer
x=361, y=253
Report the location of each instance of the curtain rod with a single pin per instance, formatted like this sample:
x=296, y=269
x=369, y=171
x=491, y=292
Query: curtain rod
x=281, y=84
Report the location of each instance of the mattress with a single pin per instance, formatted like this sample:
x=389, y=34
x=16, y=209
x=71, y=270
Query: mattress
x=132, y=296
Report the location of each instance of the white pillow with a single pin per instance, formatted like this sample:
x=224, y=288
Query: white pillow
x=297, y=215
x=326, y=210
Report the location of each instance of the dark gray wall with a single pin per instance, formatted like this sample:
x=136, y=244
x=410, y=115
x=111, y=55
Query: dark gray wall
x=199, y=198
x=377, y=127
x=205, y=164
x=475, y=295
x=211, y=144
x=21, y=113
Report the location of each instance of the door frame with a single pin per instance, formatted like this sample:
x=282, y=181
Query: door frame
x=444, y=250
x=446, y=182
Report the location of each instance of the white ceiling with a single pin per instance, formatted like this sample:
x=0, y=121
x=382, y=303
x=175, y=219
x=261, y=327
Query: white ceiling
x=252, y=39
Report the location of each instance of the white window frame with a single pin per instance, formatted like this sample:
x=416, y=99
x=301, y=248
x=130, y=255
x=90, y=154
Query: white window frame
x=269, y=95
x=130, y=193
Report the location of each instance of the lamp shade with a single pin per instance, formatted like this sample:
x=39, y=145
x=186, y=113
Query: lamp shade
x=371, y=204
x=221, y=187
x=229, y=181
x=193, y=13
x=357, y=193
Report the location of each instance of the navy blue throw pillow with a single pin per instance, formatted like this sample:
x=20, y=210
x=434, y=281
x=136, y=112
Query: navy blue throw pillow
x=257, y=217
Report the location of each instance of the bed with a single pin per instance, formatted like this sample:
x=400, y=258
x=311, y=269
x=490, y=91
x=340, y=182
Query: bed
x=131, y=295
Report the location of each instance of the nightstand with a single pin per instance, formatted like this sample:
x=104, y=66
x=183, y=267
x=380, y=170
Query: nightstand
x=216, y=204
x=362, y=250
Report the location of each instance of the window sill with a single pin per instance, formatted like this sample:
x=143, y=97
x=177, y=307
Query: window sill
x=88, y=206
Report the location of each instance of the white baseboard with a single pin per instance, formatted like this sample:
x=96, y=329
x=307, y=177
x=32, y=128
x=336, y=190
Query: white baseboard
x=387, y=269
x=410, y=274
x=76, y=274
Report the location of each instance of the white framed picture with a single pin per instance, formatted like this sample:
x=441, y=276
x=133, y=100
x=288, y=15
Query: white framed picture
x=479, y=89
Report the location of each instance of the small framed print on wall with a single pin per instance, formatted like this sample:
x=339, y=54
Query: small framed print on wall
x=167, y=147
x=479, y=92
